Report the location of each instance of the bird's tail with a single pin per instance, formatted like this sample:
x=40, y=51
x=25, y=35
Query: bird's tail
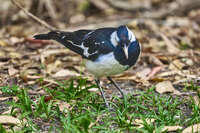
x=54, y=35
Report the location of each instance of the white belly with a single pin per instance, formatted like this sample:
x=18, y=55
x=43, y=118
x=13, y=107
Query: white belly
x=105, y=66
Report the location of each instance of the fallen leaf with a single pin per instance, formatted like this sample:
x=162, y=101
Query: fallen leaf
x=47, y=53
x=170, y=45
x=176, y=65
x=63, y=106
x=15, y=55
x=192, y=129
x=157, y=79
x=52, y=67
x=8, y=120
x=3, y=43
x=167, y=74
x=12, y=71
x=4, y=98
x=7, y=112
x=64, y=73
x=154, y=71
x=171, y=128
x=143, y=73
x=2, y=54
x=166, y=86
x=48, y=98
x=189, y=62
x=139, y=122
x=93, y=89
x=196, y=100
x=2, y=63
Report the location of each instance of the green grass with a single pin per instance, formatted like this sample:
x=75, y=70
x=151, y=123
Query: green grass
x=87, y=112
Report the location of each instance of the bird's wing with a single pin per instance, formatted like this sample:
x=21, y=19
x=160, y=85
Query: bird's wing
x=98, y=43
x=88, y=43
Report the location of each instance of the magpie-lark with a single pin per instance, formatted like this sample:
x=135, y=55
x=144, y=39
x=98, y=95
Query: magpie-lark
x=108, y=51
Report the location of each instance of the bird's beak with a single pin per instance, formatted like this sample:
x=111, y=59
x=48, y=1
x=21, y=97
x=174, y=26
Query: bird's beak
x=125, y=48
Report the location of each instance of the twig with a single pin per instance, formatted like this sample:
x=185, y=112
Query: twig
x=43, y=23
x=97, y=120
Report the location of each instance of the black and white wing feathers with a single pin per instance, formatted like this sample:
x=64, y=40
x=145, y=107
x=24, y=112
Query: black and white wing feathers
x=88, y=43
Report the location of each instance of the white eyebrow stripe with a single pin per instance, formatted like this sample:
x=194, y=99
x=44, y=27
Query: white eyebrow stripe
x=131, y=35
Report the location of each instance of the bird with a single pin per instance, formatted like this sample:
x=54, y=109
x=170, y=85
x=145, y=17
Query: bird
x=108, y=51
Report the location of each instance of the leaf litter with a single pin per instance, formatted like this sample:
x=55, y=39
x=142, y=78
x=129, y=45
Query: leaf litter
x=170, y=57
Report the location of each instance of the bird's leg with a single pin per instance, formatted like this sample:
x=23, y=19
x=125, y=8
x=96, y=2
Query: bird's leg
x=102, y=92
x=117, y=86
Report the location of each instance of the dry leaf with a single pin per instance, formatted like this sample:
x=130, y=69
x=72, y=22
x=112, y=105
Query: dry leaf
x=15, y=55
x=167, y=74
x=170, y=45
x=2, y=63
x=196, y=100
x=171, y=128
x=3, y=43
x=64, y=73
x=189, y=62
x=93, y=89
x=154, y=71
x=139, y=122
x=166, y=86
x=7, y=111
x=52, y=67
x=63, y=106
x=176, y=65
x=143, y=73
x=192, y=129
x=12, y=71
x=4, y=98
x=9, y=120
x=2, y=54
x=51, y=52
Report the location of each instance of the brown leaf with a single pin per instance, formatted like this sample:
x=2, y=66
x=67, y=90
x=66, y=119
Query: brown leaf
x=196, y=100
x=64, y=73
x=143, y=73
x=4, y=98
x=154, y=71
x=176, y=65
x=24, y=75
x=166, y=86
x=15, y=55
x=3, y=43
x=192, y=129
x=7, y=112
x=170, y=45
x=171, y=128
x=63, y=105
x=139, y=122
x=9, y=120
x=12, y=71
x=53, y=66
x=48, y=98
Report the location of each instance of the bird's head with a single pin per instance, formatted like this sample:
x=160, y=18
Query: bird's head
x=125, y=38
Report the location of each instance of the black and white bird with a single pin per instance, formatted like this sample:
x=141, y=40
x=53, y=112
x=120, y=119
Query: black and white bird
x=108, y=51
